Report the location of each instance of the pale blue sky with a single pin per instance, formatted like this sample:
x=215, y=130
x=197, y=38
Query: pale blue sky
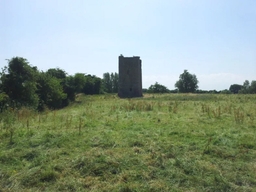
x=213, y=39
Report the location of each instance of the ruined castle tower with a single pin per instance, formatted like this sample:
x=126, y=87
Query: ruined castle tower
x=130, y=80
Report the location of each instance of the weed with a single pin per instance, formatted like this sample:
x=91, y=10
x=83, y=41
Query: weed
x=165, y=142
x=80, y=125
x=217, y=112
x=239, y=116
x=207, y=146
x=173, y=107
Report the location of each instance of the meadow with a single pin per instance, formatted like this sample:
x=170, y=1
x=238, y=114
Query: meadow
x=161, y=142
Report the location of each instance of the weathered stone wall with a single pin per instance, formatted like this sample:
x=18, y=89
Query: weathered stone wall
x=130, y=79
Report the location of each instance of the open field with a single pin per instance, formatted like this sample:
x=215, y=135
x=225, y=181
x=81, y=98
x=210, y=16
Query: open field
x=169, y=142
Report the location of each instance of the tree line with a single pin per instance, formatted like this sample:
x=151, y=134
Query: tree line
x=24, y=85
x=188, y=83
x=246, y=88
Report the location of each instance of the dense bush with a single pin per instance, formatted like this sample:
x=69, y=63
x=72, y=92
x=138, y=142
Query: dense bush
x=157, y=88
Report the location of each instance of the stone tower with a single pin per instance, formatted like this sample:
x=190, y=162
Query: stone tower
x=130, y=80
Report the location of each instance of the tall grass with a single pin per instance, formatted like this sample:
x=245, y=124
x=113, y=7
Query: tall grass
x=165, y=142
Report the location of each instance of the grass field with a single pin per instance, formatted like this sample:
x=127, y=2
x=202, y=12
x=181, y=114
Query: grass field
x=169, y=142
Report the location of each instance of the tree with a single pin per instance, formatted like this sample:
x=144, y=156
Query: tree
x=79, y=80
x=253, y=87
x=187, y=83
x=88, y=84
x=245, y=88
x=246, y=84
x=19, y=83
x=110, y=82
x=97, y=84
x=107, y=84
x=248, y=88
x=57, y=72
x=157, y=88
x=114, y=79
x=50, y=92
x=92, y=85
x=235, y=88
x=69, y=89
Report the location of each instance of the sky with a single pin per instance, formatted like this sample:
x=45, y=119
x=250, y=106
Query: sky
x=213, y=39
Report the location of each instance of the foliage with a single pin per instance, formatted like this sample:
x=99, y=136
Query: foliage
x=92, y=85
x=67, y=83
x=87, y=84
x=69, y=89
x=23, y=85
x=57, y=73
x=206, y=91
x=248, y=88
x=174, y=91
x=144, y=90
x=225, y=91
x=246, y=84
x=235, y=88
x=253, y=87
x=187, y=83
x=4, y=100
x=79, y=82
x=19, y=82
x=114, y=78
x=110, y=82
x=157, y=88
x=50, y=92
x=107, y=84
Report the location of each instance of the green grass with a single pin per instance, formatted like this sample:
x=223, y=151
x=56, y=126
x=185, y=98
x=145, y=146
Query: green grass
x=168, y=142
